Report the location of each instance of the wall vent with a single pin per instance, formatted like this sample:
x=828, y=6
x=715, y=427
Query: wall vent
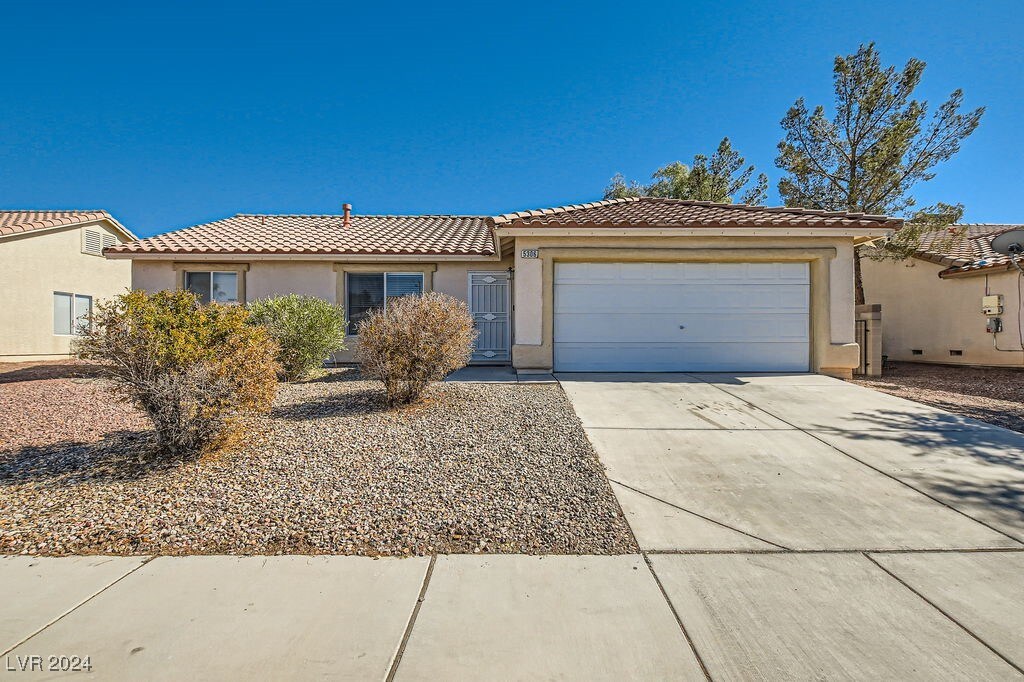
x=92, y=242
x=956, y=353
x=916, y=351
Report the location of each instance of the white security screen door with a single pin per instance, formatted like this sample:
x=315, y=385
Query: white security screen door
x=681, y=317
x=490, y=303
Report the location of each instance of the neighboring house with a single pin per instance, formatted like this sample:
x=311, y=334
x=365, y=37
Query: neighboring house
x=52, y=273
x=621, y=285
x=932, y=307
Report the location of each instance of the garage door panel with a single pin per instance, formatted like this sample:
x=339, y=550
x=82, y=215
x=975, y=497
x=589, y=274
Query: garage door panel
x=640, y=327
x=681, y=298
x=672, y=357
x=681, y=316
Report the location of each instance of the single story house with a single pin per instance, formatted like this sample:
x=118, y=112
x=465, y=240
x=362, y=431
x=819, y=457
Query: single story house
x=52, y=271
x=954, y=302
x=643, y=284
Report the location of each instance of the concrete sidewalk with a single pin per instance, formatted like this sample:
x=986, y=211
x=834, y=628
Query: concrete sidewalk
x=682, y=616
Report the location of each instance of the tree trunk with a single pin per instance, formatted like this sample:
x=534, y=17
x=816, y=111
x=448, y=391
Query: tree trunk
x=858, y=278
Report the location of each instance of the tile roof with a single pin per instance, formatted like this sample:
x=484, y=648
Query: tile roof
x=453, y=235
x=970, y=253
x=15, y=222
x=657, y=212
x=326, y=234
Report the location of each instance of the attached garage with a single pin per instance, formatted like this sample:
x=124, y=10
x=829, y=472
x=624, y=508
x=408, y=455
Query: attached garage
x=680, y=317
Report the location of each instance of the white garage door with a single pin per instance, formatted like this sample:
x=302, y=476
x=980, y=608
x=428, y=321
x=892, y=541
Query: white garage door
x=681, y=317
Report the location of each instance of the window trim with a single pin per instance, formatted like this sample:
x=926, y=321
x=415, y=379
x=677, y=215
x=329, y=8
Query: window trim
x=343, y=270
x=238, y=268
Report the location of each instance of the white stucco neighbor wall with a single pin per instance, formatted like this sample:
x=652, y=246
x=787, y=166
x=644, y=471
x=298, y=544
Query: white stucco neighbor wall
x=33, y=266
x=921, y=311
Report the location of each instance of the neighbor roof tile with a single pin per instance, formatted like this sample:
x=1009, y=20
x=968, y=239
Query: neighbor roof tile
x=14, y=222
x=971, y=251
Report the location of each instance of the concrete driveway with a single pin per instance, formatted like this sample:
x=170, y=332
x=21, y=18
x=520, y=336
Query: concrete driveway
x=804, y=527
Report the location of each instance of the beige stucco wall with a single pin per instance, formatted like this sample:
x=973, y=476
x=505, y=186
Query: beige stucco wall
x=32, y=267
x=833, y=351
x=314, y=278
x=921, y=311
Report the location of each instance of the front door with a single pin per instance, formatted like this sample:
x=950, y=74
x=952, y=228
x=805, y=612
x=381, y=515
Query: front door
x=490, y=302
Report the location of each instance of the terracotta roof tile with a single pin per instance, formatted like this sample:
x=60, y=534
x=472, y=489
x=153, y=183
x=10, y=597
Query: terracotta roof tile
x=972, y=252
x=15, y=222
x=325, y=234
x=657, y=212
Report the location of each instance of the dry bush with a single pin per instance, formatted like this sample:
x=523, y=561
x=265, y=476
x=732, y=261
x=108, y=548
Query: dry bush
x=415, y=340
x=307, y=328
x=197, y=371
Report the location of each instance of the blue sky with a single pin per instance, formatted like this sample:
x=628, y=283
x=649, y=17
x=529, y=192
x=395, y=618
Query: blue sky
x=172, y=114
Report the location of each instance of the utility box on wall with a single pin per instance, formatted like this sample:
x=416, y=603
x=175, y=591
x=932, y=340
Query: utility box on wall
x=992, y=305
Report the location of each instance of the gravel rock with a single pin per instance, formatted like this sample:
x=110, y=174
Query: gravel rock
x=474, y=468
x=993, y=395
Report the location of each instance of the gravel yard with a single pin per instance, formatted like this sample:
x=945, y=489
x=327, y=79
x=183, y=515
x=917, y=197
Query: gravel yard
x=991, y=395
x=475, y=468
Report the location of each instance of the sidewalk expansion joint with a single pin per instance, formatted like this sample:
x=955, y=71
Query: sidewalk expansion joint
x=699, y=515
x=393, y=670
x=944, y=613
x=79, y=605
x=679, y=620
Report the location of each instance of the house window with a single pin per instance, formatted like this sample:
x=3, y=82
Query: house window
x=221, y=287
x=72, y=313
x=370, y=291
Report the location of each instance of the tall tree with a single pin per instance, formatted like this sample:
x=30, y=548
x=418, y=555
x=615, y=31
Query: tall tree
x=876, y=147
x=717, y=179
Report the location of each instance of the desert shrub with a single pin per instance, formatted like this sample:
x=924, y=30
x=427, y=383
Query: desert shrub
x=308, y=329
x=198, y=371
x=415, y=340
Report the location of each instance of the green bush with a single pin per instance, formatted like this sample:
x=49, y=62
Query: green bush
x=415, y=340
x=308, y=330
x=198, y=371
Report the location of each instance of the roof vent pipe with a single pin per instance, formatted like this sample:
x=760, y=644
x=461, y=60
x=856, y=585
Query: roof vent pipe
x=347, y=219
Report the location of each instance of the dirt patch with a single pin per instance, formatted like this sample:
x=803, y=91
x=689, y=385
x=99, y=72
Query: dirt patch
x=993, y=395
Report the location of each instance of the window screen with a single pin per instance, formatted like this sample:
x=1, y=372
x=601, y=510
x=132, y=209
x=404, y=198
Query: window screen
x=62, y=313
x=199, y=284
x=404, y=285
x=83, y=314
x=225, y=287
x=365, y=293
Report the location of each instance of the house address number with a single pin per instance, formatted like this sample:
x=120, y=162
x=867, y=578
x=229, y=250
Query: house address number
x=529, y=253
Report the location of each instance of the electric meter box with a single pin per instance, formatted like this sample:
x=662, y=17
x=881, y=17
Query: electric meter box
x=992, y=305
